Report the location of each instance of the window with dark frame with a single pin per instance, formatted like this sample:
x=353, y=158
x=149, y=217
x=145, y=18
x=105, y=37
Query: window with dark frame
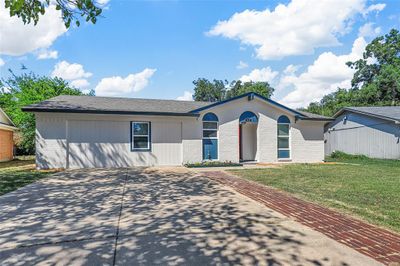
x=141, y=140
x=210, y=137
x=283, y=137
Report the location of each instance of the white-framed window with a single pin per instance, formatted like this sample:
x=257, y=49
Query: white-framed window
x=141, y=136
x=283, y=137
x=210, y=129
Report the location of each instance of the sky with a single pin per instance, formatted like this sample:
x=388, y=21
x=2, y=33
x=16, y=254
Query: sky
x=155, y=49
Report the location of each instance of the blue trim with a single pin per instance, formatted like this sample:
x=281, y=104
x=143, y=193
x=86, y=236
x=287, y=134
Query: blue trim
x=211, y=117
x=131, y=137
x=210, y=149
x=248, y=116
x=283, y=119
x=250, y=95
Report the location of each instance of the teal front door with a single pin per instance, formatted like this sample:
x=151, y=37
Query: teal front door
x=210, y=149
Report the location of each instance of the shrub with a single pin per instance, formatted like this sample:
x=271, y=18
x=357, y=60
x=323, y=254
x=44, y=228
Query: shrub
x=346, y=156
x=211, y=164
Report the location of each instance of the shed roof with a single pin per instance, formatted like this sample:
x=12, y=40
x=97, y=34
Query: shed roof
x=391, y=113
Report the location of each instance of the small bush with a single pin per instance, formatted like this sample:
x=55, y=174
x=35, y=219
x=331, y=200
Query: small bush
x=211, y=164
x=345, y=156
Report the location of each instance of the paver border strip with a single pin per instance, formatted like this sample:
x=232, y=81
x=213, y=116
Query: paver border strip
x=377, y=243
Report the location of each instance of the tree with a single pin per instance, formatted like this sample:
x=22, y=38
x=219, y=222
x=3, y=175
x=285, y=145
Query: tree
x=219, y=90
x=205, y=90
x=379, y=69
x=25, y=89
x=239, y=88
x=31, y=10
x=376, y=79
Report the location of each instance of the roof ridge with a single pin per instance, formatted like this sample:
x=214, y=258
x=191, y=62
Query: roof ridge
x=129, y=98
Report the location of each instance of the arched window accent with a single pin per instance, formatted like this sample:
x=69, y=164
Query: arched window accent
x=210, y=137
x=283, y=119
x=210, y=117
x=283, y=137
x=248, y=117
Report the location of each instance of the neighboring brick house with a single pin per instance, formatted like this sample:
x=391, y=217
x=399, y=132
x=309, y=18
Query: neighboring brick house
x=7, y=129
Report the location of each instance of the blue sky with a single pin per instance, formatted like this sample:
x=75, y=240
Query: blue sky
x=155, y=49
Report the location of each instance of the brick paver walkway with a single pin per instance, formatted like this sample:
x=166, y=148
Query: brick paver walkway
x=380, y=244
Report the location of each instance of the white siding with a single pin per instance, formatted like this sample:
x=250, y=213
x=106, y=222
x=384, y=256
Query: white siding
x=51, y=145
x=86, y=141
x=360, y=134
x=192, y=141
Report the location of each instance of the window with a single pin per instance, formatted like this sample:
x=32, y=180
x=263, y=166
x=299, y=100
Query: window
x=140, y=136
x=283, y=137
x=210, y=137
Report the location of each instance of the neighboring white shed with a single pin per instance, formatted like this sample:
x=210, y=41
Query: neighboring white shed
x=370, y=131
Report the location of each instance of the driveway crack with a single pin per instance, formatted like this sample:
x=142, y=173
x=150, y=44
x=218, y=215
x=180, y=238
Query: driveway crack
x=119, y=217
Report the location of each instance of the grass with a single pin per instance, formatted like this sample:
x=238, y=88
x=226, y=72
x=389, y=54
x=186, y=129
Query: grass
x=18, y=173
x=359, y=186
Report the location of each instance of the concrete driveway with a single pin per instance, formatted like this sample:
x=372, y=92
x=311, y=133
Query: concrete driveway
x=153, y=216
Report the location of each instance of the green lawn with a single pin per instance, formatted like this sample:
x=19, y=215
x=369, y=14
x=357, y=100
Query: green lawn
x=18, y=173
x=362, y=187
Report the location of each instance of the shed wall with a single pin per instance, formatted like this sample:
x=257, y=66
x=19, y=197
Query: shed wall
x=361, y=134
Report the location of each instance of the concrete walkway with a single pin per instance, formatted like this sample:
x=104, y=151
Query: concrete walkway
x=153, y=216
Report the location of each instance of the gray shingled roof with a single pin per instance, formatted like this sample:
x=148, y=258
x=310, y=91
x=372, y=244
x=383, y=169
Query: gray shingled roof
x=94, y=104
x=311, y=115
x=384, y=112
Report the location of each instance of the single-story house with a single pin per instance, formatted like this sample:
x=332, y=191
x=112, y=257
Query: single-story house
x=89, y=131
x=370, y=131
x=7, y=129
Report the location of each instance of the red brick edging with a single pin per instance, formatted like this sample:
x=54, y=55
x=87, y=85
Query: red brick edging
x=379, y=244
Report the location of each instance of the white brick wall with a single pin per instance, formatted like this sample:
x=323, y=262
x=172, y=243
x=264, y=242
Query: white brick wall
x=307, y=137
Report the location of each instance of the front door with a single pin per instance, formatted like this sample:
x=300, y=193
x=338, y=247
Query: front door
x=210, y=149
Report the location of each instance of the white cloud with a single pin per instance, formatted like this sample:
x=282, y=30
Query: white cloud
x=187, y=96
x=242, y=65
x=79, y=83
x=375, y=7
x=18, y=38
x=325, y=75
x=69, y=71
x=291, y=69
x=119, y=86
x=2, y=62
x=367, y=30
x=263, y=74
x=47, y=54
x=293, y=29
x=102, y=2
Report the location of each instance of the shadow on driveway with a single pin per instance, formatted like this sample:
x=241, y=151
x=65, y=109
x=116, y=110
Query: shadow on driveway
x=148, y=217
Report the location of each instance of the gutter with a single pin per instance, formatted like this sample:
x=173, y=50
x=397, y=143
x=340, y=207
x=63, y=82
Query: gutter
x=7, y=127
x=75, y=111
